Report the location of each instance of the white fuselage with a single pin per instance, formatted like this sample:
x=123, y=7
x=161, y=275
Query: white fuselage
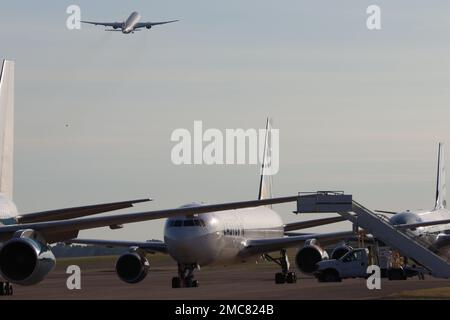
x=130, y=23
x=219, y=237
x=428, y=235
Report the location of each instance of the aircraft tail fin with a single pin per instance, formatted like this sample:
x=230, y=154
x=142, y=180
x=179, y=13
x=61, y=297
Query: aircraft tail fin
x=6, y=128
x=265, y=183
x=441, y=202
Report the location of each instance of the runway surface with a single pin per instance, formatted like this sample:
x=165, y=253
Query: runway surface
x=247, y=281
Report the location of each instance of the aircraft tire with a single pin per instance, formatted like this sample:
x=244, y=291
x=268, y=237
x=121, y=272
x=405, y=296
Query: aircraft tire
x=176, y=282
x=291, y=277
x=280, y=278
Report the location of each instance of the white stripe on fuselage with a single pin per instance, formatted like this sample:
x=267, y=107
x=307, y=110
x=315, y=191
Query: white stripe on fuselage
x=223, y=236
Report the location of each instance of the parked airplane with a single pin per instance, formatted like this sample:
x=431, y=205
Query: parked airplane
x=25, y=255
x=431, y=227
x=130, y=25
x=227, y=237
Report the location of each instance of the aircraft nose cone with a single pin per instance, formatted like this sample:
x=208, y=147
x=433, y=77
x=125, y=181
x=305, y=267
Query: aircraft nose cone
x=189, y=246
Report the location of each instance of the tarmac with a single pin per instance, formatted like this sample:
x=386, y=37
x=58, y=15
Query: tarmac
x=246, y=281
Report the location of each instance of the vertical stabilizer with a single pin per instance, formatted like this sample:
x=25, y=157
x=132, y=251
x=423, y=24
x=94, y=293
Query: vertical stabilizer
x=6, y=128
x=440, y=182
x=265, y=183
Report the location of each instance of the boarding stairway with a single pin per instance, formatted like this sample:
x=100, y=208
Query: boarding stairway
x=372, y=223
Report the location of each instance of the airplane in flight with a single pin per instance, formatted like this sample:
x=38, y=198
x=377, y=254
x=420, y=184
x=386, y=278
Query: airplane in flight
x=228, y=237
x=25, y=255
x=130, y=25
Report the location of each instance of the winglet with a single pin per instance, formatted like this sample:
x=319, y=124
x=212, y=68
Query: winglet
x=441, y=203
x=6, y=127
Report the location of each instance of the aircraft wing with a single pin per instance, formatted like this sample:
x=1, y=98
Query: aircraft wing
x=260, y=246
x=76, y=212
x=312, y=223
x=149, y=246
x=151, y=24
x=56, y=231
x=106, y=24
x=421, y=224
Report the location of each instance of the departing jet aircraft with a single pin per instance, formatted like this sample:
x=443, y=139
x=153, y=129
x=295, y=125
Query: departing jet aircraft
x=25, y=255
x=130, y=25
x=228, y=237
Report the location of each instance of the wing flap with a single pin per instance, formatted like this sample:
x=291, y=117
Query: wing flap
x=149, y=246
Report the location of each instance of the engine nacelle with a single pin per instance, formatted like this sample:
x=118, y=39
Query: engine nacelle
x=114, y=27
x=26, y=259
x=132, y=267
x=340, y=251
x=309, y=255
x=148, y=27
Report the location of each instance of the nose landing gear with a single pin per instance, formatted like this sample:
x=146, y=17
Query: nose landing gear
x=285, y=276
x=185, y=277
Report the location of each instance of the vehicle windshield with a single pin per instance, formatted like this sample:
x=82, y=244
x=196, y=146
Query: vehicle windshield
x=353, y=256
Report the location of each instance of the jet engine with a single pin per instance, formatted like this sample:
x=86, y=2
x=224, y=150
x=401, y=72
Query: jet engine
x=340, y=251
x=114, y=27
x=309, y=255
x=148, y=27
x=26, y=259
x=132, y=267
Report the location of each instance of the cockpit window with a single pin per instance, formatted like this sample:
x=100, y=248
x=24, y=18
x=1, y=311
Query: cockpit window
x=187, y=223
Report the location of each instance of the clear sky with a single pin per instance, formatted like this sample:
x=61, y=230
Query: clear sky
x=358, y=110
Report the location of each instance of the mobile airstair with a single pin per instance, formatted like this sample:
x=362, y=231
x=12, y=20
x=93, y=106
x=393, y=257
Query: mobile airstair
x=379, y=227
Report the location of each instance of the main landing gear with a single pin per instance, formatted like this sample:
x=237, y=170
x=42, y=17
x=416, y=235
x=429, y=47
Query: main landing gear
x=285, y=276
x=185, y=277
x=6, y=289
